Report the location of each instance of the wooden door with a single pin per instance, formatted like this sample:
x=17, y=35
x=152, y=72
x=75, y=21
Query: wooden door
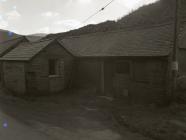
x=122, y=78
x=57, y=81
x=31, y=82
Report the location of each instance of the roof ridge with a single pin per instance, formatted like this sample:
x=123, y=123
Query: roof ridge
x=119, y=31
x=42, y=40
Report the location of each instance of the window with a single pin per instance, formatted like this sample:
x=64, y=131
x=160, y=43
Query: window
x=123, y=67
x=53, y=67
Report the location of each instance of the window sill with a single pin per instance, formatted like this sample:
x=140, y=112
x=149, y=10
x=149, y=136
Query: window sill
x=53, y=76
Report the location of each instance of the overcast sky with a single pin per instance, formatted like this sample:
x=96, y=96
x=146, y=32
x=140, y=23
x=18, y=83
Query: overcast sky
x=51, y=16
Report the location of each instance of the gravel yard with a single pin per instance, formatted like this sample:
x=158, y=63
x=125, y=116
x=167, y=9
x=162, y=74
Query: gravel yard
x=73, y=115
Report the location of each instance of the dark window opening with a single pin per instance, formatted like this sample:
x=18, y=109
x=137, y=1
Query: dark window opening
x=53, y=67
x=123, y=67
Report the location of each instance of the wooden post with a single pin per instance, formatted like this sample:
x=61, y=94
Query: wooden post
x=175, y=48
x=102, y=77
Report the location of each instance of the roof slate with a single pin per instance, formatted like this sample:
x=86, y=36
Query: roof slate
x=26, y=51
x=154, y=41
x=8, y=45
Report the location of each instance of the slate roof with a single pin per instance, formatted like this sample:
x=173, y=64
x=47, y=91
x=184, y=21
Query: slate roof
x=9, y=44
x=26, y=51
x=154, y=41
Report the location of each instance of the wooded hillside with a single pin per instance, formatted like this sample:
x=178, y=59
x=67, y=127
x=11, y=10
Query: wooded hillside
x=160, y=12
x=6, y=35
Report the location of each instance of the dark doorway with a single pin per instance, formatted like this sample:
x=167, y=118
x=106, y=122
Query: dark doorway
x=31, y=82
x=122, y=78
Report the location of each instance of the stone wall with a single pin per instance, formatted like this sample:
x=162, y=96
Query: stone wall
x=14, y=76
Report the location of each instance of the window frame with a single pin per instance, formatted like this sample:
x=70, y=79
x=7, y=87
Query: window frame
x=55, y=71
x=129, y=71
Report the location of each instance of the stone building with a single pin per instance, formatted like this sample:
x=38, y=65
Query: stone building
x=40, y=67
x=7, y=46
x=128, y=63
